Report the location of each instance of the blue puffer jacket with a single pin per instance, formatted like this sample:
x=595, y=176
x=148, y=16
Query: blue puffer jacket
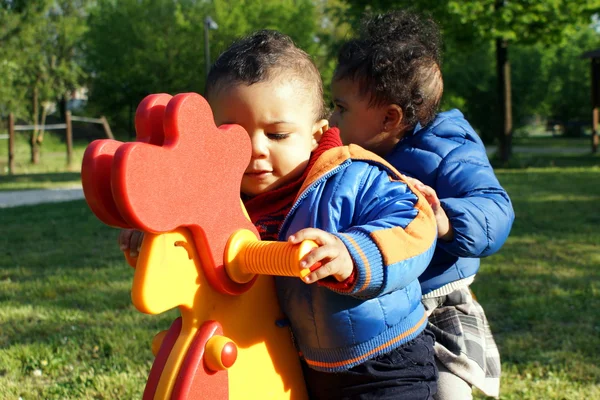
x=449, y=156
x=390, y=233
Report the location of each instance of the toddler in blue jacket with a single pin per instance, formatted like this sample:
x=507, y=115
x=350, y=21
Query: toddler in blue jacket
x=358, y=320
x=386, y=89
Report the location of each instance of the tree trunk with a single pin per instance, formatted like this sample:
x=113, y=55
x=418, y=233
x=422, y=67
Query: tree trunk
x=62, y=107
x=504, y=100
x=33, y=142
x=40, y=136
x=504, y=133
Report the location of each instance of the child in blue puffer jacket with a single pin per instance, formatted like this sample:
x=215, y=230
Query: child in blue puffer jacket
x=358, y=320
x=386, y=90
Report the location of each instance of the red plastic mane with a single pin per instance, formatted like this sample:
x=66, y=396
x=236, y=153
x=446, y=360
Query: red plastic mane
x=182, y=171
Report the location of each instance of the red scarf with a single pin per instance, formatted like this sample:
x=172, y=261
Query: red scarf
x=268, y=210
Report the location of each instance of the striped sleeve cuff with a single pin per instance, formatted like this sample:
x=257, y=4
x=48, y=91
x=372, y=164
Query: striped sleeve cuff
x=368, y=264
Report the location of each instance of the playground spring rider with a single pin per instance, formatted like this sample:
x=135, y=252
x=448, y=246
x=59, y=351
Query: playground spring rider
x=179, y=182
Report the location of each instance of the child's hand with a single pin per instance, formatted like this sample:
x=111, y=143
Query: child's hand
x=332, y=253
x=131, y=239
x=445, y=231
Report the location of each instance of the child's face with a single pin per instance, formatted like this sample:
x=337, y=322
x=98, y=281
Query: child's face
x=360, y=123
x=279, y=117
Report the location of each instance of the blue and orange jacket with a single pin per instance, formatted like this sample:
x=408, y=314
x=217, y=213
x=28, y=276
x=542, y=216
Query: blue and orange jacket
x=449, y=156
x=390, y=233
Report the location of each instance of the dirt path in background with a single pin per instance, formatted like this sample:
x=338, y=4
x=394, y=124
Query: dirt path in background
x=30, y=197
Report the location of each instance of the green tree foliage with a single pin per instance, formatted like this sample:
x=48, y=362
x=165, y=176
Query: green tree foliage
x=522, y=21
x=126, y=49
x=21, y=55
x=549, y=81
x=41, y=38
x=39, y=59
x=470, y=28
x=138, y=47
x=134, y=48
x=569, y=78
x=296, y=18
x=334, y=28
x=469, y=84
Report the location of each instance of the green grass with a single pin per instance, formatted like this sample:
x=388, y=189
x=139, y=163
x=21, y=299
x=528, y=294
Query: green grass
x=53, y=155
x=51, y=172
x=39, y=181
x=67, y=326
x=541, y=292
x=68, y=329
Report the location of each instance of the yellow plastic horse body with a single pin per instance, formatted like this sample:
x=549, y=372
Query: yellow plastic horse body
x=168, y=275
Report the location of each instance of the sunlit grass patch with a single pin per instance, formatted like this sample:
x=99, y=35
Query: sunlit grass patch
x=541, y=292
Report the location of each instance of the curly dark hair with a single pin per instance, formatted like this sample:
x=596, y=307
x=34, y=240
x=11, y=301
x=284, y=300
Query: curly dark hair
x=396, y=60
x=262, y=56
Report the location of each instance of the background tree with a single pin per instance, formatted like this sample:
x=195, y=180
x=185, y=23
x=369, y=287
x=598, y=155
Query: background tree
x=138, y=47
x=503, y=23
x=39, y=40
x=23, y=43
x=123, y=50
x=12, y=76
x=134, y=48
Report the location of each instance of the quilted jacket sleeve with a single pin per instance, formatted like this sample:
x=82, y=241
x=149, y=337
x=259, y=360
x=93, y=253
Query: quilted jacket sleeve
x=392, y=237
x=479, y=209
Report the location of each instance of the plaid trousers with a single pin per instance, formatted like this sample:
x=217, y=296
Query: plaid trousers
x=464, y=341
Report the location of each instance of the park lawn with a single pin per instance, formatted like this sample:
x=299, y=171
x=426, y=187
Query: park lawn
x=541, y=292
x=48, y=180
x=50, y=172
x=67, y=326
x=68, y=329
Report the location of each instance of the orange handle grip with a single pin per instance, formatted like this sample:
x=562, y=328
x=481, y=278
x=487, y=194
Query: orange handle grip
x=245, y=256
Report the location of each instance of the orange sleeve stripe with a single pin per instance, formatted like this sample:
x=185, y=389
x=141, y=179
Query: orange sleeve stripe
x=364, y=260
x=375, y=350
x=415, y=239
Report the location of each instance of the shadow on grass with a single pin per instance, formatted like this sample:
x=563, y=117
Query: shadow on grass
x=36, y=181
x=56, y=235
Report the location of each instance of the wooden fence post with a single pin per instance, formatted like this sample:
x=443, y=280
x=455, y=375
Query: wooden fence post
x=11, y=143
x=69, y=138
x=106, y=127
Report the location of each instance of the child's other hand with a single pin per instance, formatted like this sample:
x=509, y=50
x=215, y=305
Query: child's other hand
x=131, y=239
x=332, y=253
x=445, y=231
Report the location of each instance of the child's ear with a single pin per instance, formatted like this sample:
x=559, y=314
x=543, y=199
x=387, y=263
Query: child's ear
x=393, y=118
x=319, y=129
